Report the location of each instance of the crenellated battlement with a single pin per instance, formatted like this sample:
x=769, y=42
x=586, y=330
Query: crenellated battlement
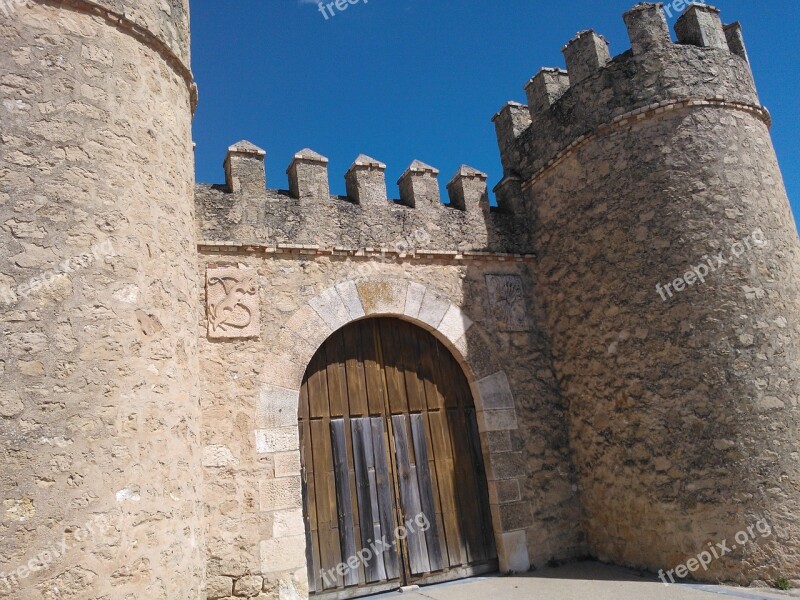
x=244, y=210
x=708, y=62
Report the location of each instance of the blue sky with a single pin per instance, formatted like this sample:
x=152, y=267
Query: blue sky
x=420, y=79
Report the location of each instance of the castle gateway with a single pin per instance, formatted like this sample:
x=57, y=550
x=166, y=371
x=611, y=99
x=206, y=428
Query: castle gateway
x=219, y=391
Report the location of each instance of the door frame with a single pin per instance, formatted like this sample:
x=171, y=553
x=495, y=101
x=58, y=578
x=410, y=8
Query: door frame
x=389, y=370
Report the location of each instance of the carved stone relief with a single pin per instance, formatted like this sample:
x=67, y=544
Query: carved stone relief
x=232, y=303
x=507, y=299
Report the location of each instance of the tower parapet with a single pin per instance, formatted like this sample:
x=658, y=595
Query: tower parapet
x=706, y=64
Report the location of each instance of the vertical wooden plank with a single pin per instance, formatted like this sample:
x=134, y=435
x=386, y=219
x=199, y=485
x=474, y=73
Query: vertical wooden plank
x=343, y=499
x=362, y=445
x=375, y=525
x=425, y=483
x=393, y=367
x=354, y=367
x=337, y=375
x=474, y=443
x=327, y=519
x=435, y=472
x=373, y=369
x=409, y=336
x=302, y=405
x=409, y=496
x=309, y=508
x=451, y=379
x=427, y=372
x=446, y=479
x=468, y=506
x=461, y=385
x=386, y=506
x=318, y=386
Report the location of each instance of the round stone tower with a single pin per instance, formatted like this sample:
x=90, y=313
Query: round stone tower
x=98, y=396
x=669, y=266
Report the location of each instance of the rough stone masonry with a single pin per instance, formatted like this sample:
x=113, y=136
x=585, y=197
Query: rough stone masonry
x=148, y=400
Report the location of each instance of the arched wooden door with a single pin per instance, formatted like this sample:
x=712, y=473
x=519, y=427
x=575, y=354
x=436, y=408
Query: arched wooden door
x=394, y=482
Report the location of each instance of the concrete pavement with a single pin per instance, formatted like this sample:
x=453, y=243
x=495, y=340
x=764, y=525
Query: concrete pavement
x=583, y=581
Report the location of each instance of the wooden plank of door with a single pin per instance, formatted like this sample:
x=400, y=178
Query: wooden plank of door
x=343, y=499
x=309, y=508
x=362, y=445
x=327, y=519
x=427, y=502
x=302, y=405
x=337, y=375
x=474, y=443
x=386, y=506
x=468, y=491
x=461, y=385
x=427, y=372
x=409, y=357
x=354, y=367
x=377, y=533
x=448, y=373
x=376, y=387
x=393, y=367
x=337, y=353
x=445, y=467
x=318, y=386
x=409, y=497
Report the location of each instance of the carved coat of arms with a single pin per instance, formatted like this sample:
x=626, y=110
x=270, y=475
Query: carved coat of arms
x=232, y=303
x=507, y=299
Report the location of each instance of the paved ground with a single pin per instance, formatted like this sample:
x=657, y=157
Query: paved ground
x=582, y=581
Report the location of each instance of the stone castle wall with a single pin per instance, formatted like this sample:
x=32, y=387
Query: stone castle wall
x=628, y=409
x=682, y=401
x=100, y=412
x=243, y=210
x=323, y=261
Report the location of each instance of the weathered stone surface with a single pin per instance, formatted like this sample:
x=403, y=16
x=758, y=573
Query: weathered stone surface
x=283, y=554
x=287, y=523
x=287, y=463
x=277, y=407
x=283, y=439
x=383, y=296
x=248, y=586
x=670, y=411
x=218, y=587
x=454, y=324
x=495, y=392
x=279, y=494
x=100, y=385
x=513, y=552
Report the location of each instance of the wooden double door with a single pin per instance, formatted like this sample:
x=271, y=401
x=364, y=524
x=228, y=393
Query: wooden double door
x=394, y=482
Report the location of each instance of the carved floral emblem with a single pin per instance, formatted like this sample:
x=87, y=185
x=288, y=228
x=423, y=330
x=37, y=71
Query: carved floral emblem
x=507, y=299
x=232, y=303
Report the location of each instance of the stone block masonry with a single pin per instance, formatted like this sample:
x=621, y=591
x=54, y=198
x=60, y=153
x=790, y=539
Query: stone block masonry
x=155, y=389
